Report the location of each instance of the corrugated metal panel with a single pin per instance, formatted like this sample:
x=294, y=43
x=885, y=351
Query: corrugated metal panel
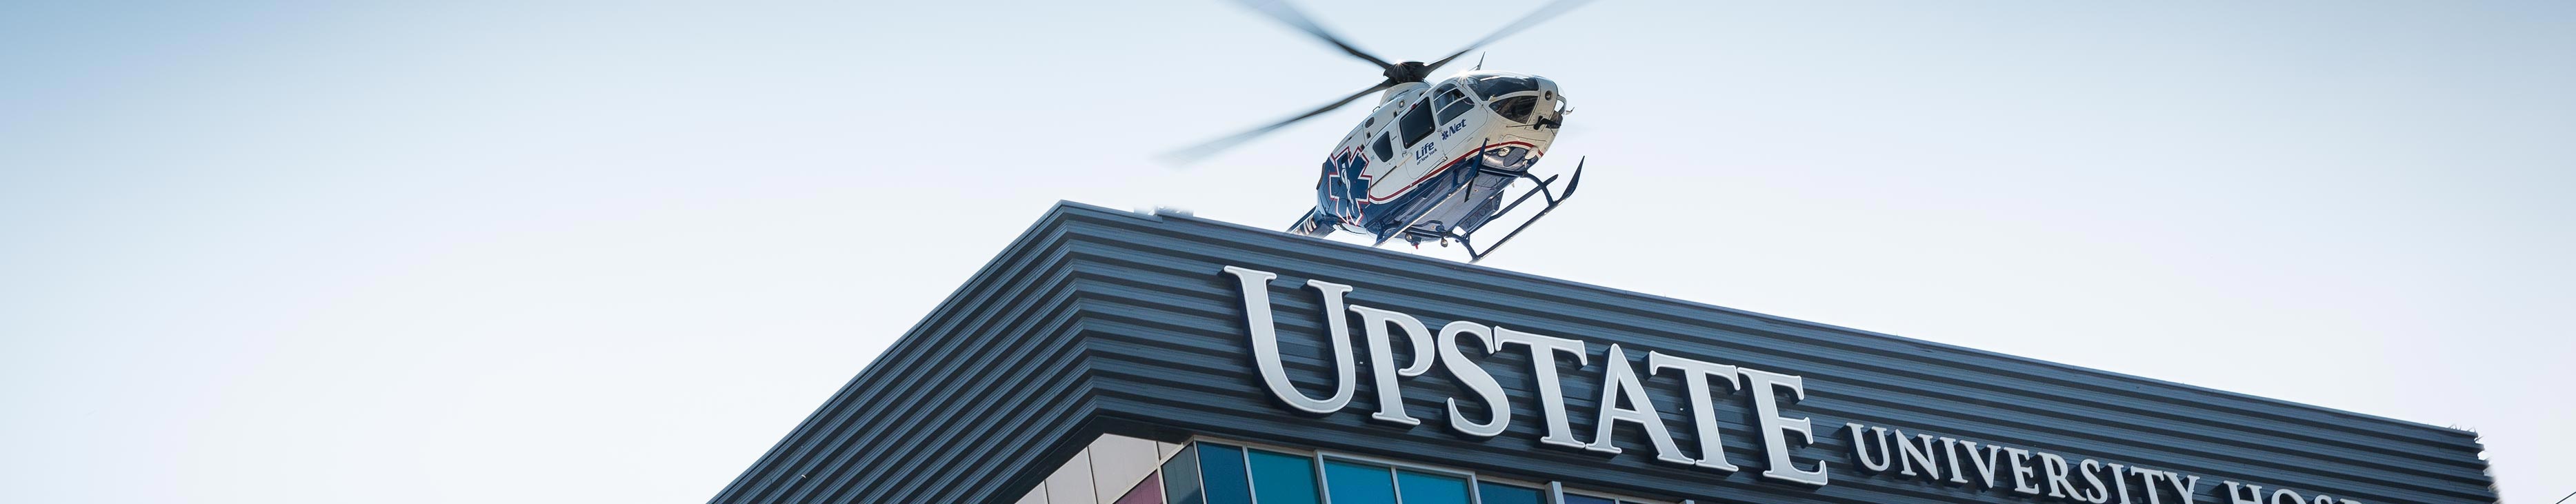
x=1105, y=321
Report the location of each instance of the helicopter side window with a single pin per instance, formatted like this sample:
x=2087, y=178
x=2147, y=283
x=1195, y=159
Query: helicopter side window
x=1384, y=147
x=1452, y=103
x=1517, y=108
x=1416, y=123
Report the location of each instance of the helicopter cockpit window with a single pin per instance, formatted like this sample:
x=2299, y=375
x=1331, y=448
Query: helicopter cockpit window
x=1416, y=123
x=1384, y=147
x=1499, y=85
x=1517, y=108
x=1451, y=102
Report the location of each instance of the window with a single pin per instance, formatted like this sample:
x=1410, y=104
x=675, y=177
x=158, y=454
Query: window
x=1416, y=123
x=1495, y=86
x=1516, y=108
x=1357, y=483
x=1214, y=473
x=1428, y=488
x=1587, y=499
x=1385, y=147
x=1452, y=103
x=1279, y=478
x=1497, y=493
x=1181, y=477
x=1576, y=498
x=1221, y=471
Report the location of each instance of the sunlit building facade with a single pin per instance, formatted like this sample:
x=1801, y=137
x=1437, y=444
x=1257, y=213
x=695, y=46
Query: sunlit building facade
x=1112, y=357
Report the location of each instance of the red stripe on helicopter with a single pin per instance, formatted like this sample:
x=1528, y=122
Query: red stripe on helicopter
x=1445, y=168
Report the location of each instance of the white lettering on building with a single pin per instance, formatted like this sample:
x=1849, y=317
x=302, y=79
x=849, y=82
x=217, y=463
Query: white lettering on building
x=1623, y=402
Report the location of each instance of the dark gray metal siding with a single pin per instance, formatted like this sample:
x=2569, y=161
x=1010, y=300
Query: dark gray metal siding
x=1106, y=321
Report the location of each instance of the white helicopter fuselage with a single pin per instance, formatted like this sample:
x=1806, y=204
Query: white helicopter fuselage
x=1410, y=164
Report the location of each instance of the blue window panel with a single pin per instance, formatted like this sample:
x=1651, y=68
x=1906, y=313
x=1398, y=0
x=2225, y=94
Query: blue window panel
x=1279, y=478
x=1357, y=483
x=1221, y=472
x=1181, y=478
x=1586, y=499
x=1497, y=493
x=1425, y=488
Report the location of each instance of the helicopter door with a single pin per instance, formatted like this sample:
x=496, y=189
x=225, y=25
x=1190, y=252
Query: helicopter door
x=1416, y=123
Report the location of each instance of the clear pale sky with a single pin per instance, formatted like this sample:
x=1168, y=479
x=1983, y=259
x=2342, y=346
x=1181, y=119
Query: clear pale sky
x=610, y=252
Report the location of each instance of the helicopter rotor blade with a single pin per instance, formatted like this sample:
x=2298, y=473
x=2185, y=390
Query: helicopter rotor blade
x=1203, y=150
x=1544, y=12
x=1280, y=10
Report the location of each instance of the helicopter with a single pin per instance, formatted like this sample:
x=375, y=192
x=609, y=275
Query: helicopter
x=1434, y=161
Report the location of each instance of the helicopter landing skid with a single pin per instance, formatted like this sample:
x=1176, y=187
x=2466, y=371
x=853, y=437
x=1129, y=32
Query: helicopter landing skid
x=1545, y=189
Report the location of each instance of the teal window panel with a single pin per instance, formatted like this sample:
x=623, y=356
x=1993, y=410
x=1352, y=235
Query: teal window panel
x=1357, y=483
x=1497, y=493
x=1426, y=488
x=1587, y=499
x=1279, y=478
x=1222, y=473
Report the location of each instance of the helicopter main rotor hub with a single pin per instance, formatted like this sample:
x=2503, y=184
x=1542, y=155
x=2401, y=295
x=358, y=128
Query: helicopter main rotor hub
x=1409, y=71
x=1397, y=74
